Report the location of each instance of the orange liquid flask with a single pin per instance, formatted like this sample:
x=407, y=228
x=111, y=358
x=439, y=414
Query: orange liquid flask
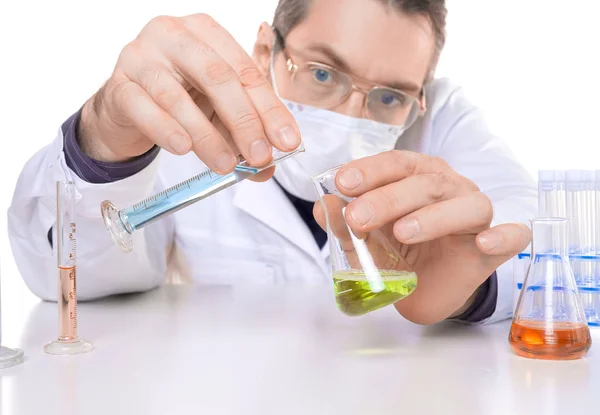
x=549, y=322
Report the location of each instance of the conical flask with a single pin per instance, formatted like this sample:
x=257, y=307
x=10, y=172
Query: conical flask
x=368, y=272
x=549, y=322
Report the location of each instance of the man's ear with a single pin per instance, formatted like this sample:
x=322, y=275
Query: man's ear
x=261, y=53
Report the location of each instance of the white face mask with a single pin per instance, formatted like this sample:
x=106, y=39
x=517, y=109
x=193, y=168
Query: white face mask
x=330, y=139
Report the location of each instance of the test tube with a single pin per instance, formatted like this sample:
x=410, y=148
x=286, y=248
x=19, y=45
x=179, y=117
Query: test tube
x=592, y=310
x=8, y=357
x=589, y=199
x=588, y=266
x=580, y=210
x=551, y=194
x=65, y=248
x=596, y=215
x=576, y=196
x=574, y=199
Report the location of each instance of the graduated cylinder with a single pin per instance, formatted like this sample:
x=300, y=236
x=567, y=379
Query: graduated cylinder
x=64, y=242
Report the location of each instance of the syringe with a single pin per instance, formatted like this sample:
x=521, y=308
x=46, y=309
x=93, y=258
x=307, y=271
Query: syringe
x=65, y=246
x=122, y=223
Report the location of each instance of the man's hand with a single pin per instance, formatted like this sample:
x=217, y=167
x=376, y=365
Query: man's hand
x=437, y=219
x=185, y=84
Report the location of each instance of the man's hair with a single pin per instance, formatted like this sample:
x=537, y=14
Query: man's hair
x=290, y=13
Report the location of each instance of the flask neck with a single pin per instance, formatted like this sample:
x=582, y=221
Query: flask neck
x=549, y=236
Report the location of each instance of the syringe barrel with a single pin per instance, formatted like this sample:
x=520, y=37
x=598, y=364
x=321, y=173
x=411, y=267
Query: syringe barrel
x=121, y=223
x=64, y=240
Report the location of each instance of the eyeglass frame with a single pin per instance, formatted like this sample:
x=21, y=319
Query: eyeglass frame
x=292, y=68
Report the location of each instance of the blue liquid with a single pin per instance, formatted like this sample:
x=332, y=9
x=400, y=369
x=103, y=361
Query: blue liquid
x=558, y=288
x=180, y=196
x=572, y=256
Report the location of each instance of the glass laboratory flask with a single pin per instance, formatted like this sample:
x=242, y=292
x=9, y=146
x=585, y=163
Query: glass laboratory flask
x=549, y=322
x=368, y=271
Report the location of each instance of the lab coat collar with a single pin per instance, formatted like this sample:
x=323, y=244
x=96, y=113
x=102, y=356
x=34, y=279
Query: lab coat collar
x=267, y=203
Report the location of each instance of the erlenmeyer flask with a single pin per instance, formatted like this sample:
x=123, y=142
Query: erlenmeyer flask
x=549, y=322
x=368, y=271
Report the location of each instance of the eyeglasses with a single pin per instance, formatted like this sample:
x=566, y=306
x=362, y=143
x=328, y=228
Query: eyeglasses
x=324, y=86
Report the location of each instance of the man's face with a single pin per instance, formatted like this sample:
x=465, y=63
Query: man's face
x=366, y=39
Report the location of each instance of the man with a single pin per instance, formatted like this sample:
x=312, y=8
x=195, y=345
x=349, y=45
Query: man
x=354, y=79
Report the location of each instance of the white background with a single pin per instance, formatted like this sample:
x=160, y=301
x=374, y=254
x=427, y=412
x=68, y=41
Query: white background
x=532, y=65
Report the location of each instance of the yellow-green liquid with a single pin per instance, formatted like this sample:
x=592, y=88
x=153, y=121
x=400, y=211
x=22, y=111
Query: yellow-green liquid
x=354, y=295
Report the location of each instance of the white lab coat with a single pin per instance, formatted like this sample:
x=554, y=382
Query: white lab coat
x=249, y=233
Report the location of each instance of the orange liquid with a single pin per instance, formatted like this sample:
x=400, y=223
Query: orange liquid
x=67, y=304
x=556, y=341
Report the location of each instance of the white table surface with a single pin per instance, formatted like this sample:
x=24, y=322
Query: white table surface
x=220, y=350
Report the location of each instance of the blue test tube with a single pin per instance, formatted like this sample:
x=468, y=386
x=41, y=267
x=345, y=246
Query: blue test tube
x=580, y=186
x=574, y=206
x=592, y=289
x=596, y=214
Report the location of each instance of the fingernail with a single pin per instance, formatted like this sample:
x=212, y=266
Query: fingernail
x=259, y=151
x=350, y=178
x=361, y=212
x=407, y=229
x=179, y=144
x=288, y=137
x=224, y=162
x=489, y=241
